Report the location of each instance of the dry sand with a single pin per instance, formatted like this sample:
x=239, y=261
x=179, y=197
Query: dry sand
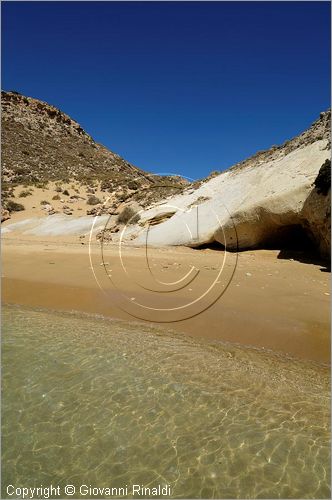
x=271, y=303
x=33, y=203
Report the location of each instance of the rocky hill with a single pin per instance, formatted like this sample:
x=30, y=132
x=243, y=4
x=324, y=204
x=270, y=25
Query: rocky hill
x=278, y=197
x=319, y=130
x=40, y=144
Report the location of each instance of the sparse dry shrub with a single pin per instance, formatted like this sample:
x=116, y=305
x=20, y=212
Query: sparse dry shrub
x=41, y=185
x=132, y=185
x=128, y=216
x=12, y=206
x=93, y=200
x=24, y=194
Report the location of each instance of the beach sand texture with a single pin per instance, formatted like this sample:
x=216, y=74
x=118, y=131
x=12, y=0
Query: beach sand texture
x=271, y=302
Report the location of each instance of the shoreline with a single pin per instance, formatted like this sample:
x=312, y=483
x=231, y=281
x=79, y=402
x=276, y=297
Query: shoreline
x=273, y=304
x=161, y=330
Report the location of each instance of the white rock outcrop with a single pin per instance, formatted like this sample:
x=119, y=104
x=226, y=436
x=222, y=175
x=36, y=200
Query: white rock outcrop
x=251, y=204
x=56, y=225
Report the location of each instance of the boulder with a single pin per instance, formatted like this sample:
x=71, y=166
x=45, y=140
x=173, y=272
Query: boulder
x=104, y=236
x=316, y=210
x=95, y=211
x=5, y=215
x=49, y=208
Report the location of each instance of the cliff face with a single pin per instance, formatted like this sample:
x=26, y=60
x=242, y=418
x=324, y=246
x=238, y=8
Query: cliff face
x=267, y=200
x=316, y=210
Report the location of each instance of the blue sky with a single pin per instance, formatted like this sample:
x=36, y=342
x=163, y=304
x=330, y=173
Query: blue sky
x=182, y=87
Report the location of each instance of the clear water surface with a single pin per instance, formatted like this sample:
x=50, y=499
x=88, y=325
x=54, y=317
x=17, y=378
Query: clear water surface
x=108, y=403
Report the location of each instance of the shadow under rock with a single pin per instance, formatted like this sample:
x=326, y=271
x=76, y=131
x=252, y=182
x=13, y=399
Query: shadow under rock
x=306, y=257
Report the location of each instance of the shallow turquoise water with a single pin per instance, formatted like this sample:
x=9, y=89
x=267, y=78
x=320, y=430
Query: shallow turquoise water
x=107, y=403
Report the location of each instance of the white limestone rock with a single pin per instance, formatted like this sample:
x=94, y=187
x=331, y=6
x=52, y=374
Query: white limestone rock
x=249, y=204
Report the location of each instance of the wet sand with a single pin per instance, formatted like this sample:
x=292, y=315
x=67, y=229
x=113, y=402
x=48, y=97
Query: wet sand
x=272, y=303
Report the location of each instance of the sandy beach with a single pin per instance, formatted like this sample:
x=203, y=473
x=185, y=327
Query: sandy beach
x=166, y=250
x=271, y=302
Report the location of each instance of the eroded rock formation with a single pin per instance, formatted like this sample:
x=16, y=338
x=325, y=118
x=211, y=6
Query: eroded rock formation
x=256, y=202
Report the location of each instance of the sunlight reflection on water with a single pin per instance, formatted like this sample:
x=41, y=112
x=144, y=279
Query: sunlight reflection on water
x=110, y=403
